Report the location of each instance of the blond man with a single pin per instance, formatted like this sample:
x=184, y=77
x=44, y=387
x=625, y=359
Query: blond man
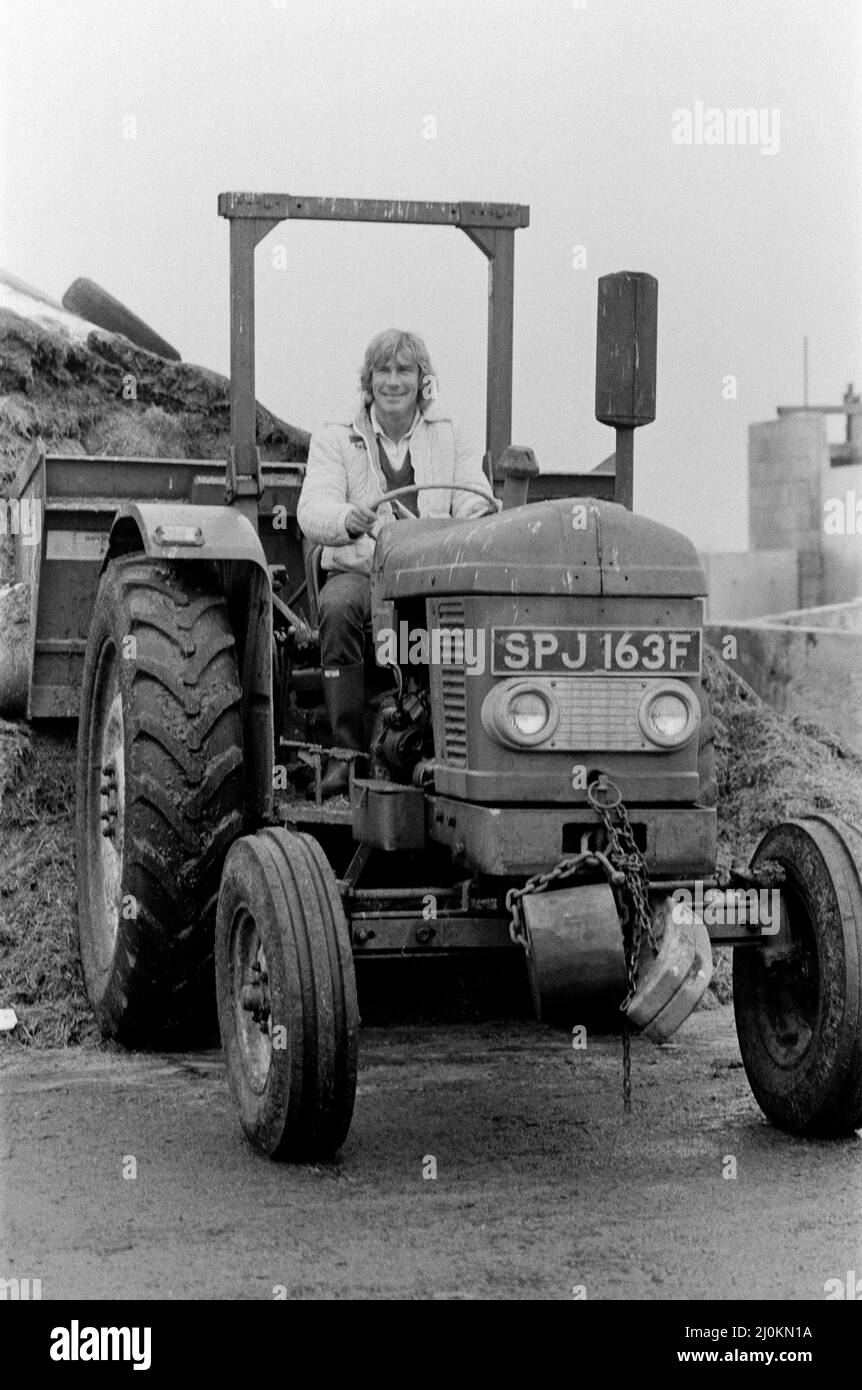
x=399, y=437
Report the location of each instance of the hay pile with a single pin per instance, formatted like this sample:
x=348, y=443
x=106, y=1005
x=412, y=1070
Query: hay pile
x=40, y=975
x=771, y=768
x=84, y=391
x=76, y=394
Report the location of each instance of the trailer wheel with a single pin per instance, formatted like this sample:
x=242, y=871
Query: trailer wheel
x=159, y=797
x=286, y=995
x=798, y=998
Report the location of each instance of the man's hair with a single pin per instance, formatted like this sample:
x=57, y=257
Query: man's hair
x=385, y=348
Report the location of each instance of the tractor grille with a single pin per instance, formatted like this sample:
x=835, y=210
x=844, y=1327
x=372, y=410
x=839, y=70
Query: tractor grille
x=450, y=614
x=599, y=712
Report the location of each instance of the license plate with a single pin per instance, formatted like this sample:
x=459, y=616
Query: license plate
x=620, y=651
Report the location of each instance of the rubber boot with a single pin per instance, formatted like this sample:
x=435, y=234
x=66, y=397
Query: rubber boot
x=344, y=696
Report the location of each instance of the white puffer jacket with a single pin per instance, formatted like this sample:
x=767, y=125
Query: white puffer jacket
x=343, y=472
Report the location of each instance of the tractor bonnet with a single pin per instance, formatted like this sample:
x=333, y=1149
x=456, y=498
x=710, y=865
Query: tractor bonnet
x=568, y=546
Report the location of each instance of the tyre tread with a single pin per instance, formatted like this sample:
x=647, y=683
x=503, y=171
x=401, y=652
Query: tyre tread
x=184, y=792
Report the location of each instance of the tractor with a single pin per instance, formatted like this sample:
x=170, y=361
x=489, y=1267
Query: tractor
x=540, y=774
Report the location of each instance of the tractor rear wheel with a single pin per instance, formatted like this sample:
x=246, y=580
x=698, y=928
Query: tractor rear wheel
x=159, y=797
x=286, y=995
x=798, y=997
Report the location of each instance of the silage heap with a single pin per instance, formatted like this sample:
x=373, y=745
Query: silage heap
x=65, y=382
x=84, y=391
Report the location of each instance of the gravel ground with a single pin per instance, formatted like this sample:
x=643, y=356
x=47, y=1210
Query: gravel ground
x=544, y=1188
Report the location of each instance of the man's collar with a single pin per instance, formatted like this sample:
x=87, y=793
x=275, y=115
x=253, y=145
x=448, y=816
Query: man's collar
x=361, y=422
x=378, y=428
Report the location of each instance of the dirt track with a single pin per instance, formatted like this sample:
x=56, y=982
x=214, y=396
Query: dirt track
x=542, y=1183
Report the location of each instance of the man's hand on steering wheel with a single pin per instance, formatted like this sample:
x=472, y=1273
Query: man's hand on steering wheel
x=360, y=521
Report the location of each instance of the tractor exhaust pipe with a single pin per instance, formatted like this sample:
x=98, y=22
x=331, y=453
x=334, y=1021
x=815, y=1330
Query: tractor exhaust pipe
x=626, y=333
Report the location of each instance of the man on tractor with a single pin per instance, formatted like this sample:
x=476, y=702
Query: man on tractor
x=398, y=439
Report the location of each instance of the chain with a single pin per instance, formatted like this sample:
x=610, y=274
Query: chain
x=564, y=868
x=624, y=854
x=626, y=870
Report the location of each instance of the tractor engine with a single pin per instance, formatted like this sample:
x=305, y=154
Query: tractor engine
x=403, y=736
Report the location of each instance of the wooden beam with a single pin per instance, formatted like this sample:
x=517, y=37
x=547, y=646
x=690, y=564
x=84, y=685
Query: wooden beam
x=280, y=206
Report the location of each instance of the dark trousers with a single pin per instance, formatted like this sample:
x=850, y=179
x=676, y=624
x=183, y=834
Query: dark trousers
x=345, y=613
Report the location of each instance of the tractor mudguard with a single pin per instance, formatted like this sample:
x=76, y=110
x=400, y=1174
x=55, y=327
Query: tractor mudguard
x=182, y=531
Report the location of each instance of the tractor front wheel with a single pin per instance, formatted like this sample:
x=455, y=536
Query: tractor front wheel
x=286, y=995
x=159, y=798
x=797, y=996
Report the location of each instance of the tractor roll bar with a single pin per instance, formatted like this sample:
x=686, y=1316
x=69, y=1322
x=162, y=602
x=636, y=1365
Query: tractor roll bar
x=490, y=226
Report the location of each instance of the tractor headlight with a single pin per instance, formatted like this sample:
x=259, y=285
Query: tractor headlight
x=521, y=713
x=528, y=714
x=668, y=715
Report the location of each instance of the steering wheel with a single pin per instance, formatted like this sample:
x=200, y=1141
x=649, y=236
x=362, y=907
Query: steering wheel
x=397, y=492
x=432, y=487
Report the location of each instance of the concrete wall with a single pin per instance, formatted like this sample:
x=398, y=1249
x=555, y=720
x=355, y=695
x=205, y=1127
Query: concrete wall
x=841, y=551
x=750, y=584
x=815, y=673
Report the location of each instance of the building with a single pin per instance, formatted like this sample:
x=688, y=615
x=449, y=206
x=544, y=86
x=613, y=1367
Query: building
x=805, y=518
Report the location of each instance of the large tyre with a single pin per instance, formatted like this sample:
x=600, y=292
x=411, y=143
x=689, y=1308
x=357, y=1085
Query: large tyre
x=159, y=798
x=798, y=998
x=286, y=995
x=94, y=304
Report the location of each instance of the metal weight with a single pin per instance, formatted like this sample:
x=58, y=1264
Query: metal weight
x=670, y=985
x=574, y=948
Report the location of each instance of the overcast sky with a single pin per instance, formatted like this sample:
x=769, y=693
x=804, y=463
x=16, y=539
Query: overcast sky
x=566, y=106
